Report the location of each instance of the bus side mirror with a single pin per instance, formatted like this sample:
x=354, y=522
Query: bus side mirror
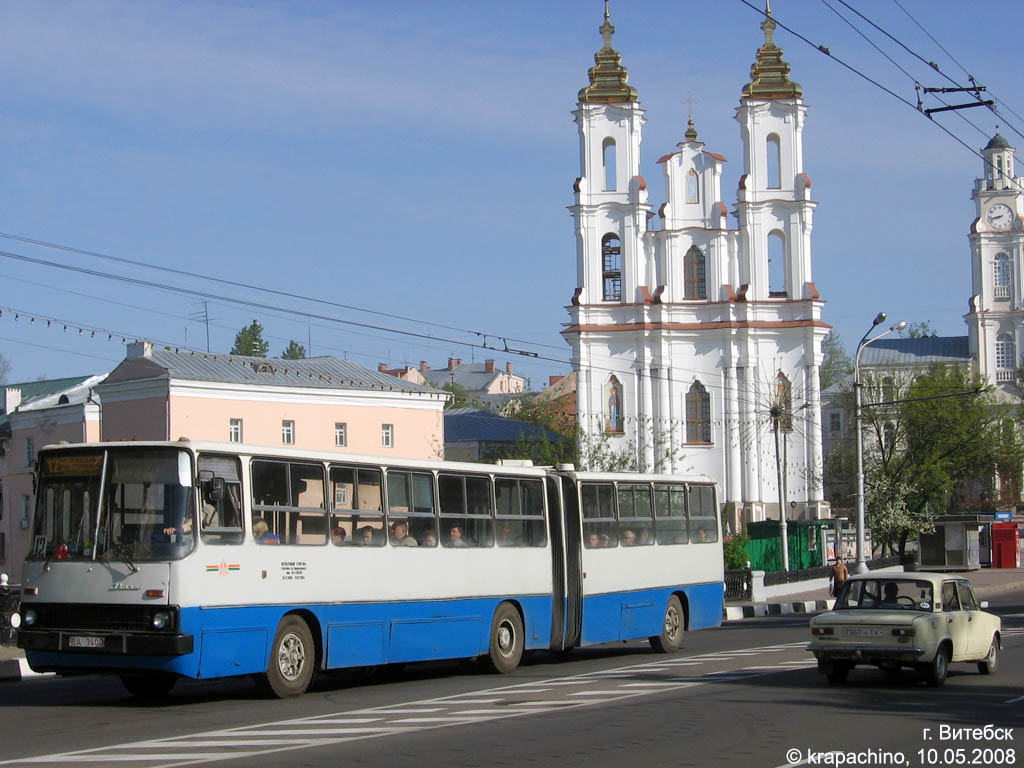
x=215, y=489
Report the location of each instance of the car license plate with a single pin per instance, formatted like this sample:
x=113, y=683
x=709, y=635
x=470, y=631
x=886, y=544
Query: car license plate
x=76, y=641
x=862, y=632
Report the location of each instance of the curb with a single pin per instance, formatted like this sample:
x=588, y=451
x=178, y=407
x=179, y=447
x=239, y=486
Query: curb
x=13, y=670
x=737, y=612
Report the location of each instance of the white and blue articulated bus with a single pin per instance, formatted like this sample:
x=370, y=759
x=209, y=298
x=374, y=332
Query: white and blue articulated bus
x=160, y=560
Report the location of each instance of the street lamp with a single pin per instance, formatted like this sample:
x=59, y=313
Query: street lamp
x=861, y=565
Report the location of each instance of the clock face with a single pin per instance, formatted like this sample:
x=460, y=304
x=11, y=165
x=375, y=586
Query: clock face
x=999, y=216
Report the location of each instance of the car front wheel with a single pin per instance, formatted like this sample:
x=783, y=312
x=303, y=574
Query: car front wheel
x=988, y=665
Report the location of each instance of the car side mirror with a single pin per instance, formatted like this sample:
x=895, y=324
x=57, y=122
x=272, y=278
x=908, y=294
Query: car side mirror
x=983, y=603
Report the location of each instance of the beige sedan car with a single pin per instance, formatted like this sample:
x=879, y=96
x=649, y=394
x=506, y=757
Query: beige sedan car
x=895, y=620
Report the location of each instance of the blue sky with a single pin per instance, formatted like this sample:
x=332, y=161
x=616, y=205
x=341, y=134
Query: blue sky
x=416, y=159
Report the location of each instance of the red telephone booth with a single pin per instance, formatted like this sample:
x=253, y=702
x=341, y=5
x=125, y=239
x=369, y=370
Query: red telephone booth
x=1005, y=545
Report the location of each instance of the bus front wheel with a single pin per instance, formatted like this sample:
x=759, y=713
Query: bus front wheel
x=292, y=660
x=671, y=637
x=506, y=649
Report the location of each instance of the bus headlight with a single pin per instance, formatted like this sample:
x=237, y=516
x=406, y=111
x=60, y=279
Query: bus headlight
x=161, y=620
x=29, y=616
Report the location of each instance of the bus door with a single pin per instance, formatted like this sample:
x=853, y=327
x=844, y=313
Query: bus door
x=557, y=541
x=574, y=564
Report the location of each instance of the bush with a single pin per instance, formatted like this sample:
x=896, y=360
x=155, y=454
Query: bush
x=735, y=552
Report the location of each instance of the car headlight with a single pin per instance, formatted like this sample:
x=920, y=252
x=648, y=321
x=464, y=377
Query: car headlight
x=161, y=620
x=29, y=616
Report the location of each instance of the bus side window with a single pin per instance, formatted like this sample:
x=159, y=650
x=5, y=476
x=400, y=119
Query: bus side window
x=636, y=526
x=520, y=524
x=356, y=497
x=600, y=529
x=220, y=510
x=670, y=514
x=702, y=513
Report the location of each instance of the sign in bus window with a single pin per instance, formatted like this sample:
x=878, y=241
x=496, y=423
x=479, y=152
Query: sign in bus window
x=702, y=513
x=670, y=514
x=600, y=529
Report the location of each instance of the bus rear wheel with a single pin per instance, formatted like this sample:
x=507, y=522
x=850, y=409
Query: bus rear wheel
x=149, y=687
x=671, y=637
x=506, y=649
x=292, y=659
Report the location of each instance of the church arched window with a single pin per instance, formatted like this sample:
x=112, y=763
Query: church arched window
x=777, y=264
x=774, y=158
x=613, y=406
x=692, y=187
x=698, y=414
x=1006, y=357
x=695, y=285
x=1001, y=276
x=611, y=267
x=608, y=156
x=782, y=402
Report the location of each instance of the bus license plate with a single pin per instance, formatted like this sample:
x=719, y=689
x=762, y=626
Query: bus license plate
x=76, y=641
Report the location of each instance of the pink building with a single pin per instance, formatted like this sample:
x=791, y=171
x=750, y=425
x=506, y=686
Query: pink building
x=322, y=403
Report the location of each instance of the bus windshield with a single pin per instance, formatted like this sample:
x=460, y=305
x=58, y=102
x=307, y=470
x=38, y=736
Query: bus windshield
x=128, y=505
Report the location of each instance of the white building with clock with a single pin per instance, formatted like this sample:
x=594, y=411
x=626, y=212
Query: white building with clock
x=995, y=320
x=688, y=327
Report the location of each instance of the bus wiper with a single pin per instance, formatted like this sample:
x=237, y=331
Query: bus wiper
x=120, y=549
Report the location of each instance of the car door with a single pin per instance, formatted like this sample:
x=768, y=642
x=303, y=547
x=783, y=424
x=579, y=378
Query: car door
x=978, y=632
x=957, y=621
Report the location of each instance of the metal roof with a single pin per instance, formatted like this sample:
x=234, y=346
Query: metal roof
x=921, y=351
x=472, y=377
x=317, y=372
x=464, y=424
x=36, y=394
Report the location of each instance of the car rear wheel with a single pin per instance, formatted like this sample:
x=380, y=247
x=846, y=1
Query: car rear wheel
x=935, y=672
x=506, y=649
x=292, y=660
x=836, y=671
x=671, y=637
x=988, y=665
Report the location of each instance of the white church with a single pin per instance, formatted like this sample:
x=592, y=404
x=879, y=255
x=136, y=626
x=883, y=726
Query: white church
x=697, y=344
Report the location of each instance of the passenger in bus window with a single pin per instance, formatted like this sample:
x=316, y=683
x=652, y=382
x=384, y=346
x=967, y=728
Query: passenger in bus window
x=644, y=537
x=628, y=538
x=261, y=532
x=400, y=535
x=507, y=537
x=702, y=535
x=366, y=536
x=430, y=540
x=455, y=537
x=606, y=540
x=593, y=541
x=338, y=535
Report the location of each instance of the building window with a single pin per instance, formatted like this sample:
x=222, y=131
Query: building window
x=608, y=157
x=235, y=431
x=288, y=432
x=340, y=434
x=1001, y=276
x=30, y=452
x=774, y=161
x=698, y=414
x=613, y=406
x=1006, y=358
x=835, y=422
x=387, y=435
x=695, y=284
x=26, y=510
x=692, y=187
x=776, y=264
x=611, y=260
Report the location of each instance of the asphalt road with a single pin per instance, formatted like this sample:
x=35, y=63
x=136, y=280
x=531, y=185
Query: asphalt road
x=747, y=694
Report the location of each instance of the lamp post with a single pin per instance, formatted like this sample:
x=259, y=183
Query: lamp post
x=861, y=565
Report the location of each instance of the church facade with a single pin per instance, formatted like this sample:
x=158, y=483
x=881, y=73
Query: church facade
x=697, y=344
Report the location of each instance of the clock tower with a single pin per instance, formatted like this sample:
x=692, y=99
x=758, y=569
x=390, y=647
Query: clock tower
x=995, y=319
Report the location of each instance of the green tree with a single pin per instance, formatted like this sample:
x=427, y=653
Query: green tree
x=836, y=365
x=294, y=351
x=931, y=437
x=459, y=397
x=920, y=330
x=249, y=341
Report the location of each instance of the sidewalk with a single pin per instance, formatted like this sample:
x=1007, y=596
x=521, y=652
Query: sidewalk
x=987, y=582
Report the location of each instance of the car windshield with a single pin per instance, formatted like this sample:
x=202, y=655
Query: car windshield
x=128, y=505
x=886, y=594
